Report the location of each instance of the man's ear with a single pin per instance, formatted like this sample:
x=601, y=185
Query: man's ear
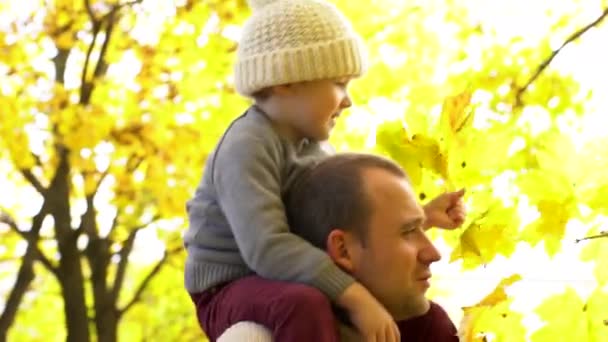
x=339, y=247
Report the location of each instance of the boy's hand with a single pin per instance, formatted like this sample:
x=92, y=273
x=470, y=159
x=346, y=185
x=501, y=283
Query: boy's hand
x=446, y=211
x=371, y=319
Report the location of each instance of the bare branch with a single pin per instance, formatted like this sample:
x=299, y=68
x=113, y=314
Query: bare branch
x=85, y=87
x=87, y=4
x=101, y=178
x=124, y=256
x=46, y=261
x=25, y=275
x=144, y=284
x=124, y=261
x=88, y=224
x=9, y=221
x=32, y=238
x=60, y=61
x=114, y=224
x=101, y=62
x=128, y=4
x=29, y=176
x=144, y=225
x=602, y=234
x=546, y=62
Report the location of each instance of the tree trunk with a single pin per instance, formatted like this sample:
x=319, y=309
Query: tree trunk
x=106, y=314
x=70, y=269
x=72, y=290
x=106, y=323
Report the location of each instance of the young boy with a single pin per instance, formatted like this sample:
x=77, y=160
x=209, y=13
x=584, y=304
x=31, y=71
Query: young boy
x=295, y=58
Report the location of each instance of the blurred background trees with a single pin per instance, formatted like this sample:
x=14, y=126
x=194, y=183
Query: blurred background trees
x=109, y=108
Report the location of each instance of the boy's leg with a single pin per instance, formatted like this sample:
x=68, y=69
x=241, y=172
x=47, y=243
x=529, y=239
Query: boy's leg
x=291, y=311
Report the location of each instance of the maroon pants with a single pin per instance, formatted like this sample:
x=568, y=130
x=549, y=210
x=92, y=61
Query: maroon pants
x=291, y=311
x=296, y=312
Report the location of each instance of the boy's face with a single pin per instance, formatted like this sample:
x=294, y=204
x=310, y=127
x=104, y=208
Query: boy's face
x=315, y=106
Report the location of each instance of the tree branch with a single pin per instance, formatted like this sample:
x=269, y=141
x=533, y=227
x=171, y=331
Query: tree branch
x=124, y=256
x=29, y=176
x=101, y=178
x=87, y=5
x=101, y=62
x=114, y=224
x=32, y=237
x=124, y=253
x=25, y=275
x=85, y=87
x=147, y=280
x=603, y=234
x=44, y=260
x=128, y=4
x=546, y=62
x=88, y=224
x=60, y=61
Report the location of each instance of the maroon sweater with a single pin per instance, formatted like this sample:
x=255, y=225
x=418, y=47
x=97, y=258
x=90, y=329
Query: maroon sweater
x=434, y=326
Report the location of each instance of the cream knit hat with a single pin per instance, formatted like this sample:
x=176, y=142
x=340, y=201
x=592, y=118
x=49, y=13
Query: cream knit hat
x=288, y=41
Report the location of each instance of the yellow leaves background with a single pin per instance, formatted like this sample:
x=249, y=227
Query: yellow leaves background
x=443, y=98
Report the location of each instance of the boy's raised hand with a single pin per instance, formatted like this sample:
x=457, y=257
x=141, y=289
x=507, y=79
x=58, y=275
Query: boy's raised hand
x=446, y=211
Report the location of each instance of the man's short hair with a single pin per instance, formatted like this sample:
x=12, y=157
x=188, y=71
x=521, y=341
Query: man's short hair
x=332, y=195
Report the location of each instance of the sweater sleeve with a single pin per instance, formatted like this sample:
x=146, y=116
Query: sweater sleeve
x=247, y=178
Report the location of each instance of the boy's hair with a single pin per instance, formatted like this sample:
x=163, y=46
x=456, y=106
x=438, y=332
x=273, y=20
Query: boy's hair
x=291, y=41
x=332, y=195
x=261, y=95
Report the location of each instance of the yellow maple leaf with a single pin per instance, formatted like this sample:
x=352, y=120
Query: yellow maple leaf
x=490, y=314
x=455, y=112
x=565, y=318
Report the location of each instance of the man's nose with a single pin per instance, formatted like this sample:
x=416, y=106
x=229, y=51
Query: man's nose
x=428, y=252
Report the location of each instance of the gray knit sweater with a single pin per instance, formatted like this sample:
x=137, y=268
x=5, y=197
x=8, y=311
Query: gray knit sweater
x=237, y=221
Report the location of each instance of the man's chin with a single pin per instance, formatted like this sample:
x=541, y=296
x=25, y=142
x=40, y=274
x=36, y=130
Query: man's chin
x=414, y=307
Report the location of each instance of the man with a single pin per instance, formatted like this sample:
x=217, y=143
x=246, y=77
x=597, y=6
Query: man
x=362, y=210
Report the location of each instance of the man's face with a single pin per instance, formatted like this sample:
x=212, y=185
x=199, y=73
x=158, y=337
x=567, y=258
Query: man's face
x=393, y=262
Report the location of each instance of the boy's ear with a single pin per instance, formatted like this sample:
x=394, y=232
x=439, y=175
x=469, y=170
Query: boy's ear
x=339, y=248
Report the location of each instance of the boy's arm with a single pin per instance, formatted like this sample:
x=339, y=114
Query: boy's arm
x=248, y=183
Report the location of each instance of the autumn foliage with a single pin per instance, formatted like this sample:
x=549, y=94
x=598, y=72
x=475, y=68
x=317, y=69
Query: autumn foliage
x=108, y=109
